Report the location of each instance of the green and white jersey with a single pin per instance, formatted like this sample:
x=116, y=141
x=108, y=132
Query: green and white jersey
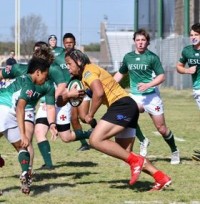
x=11, y=72
x=57, y=51
x=140, y=68
x=191, y=56
x=56, y=76
x=24, y=88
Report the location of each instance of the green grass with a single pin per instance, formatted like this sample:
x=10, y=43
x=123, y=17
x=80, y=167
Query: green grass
x=91, y=177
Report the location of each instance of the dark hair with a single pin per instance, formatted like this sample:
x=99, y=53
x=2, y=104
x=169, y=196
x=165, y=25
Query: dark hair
x=40, y=44
x=44, y=53
x=52, y=36
x=142, y=32
x=37, y=63
x=77, y=55
x=69, y=35
x=196, y=27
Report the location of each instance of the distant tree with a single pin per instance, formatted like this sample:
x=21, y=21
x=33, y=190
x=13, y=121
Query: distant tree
x=32, y=29
x=92, y=47
x=5, y=47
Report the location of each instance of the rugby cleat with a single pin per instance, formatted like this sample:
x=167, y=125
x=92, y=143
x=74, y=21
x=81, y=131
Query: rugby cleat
x=175, y=157
x=143, y=147
x=136, y=169
x=161, y=184
x=25, y=183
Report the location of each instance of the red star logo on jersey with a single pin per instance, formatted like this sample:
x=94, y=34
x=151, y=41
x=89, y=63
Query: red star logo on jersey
x=29, y=116
x=157, y=108
x=7, y=69
x=29, y=93
x=63, y=117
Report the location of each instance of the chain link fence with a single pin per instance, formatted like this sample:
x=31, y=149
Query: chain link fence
x=169, y=50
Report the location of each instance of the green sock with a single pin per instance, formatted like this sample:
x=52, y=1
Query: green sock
x=45, y=151
x=24, y=159
x=139, y=134
x=169, y=139
x=80, y=134
x=83, y=142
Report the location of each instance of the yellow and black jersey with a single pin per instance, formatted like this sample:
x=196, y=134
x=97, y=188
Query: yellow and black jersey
x=113, y=91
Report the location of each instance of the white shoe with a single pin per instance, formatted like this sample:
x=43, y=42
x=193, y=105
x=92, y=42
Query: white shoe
x=175, y=158
x=143, y=147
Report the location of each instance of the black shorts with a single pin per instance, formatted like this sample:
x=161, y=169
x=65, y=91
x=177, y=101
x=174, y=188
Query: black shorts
x=60, y=128
x=123, y=112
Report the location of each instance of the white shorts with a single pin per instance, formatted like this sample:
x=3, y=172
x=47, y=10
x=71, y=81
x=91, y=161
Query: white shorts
x=196, y=95
x=152, y=103
x=127, y=133
x=8, y=124
x=12, y=134
x=8, y=118
x=63, y=114
x=30, y=115
x=86, y=98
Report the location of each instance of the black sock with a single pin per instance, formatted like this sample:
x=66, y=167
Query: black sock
x=169, y=139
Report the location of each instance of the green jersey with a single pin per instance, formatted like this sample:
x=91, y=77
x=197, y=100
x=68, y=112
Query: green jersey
x=140, y=68
x=56, y=73
x=57, y=51
x=191, y=56
x=24, y=88
x=60, y=61
x=11, y=72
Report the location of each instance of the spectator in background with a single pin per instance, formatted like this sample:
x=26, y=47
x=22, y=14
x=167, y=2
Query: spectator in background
x=11, y=60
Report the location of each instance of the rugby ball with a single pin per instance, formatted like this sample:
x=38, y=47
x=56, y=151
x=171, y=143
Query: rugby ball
x=78, y=84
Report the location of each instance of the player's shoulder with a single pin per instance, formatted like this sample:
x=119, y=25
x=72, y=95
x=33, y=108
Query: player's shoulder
x=149, y=52
x=188, y=48
x=129, y=54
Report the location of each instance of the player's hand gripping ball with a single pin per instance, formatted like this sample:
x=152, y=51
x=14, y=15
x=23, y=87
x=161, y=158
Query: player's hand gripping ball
x=79, y=86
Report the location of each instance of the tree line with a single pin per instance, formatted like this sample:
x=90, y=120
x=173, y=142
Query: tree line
x=32, y=28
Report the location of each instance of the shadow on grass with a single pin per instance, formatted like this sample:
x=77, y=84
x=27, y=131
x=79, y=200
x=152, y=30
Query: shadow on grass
x=183, y=159
x=76, y=164
x=40, y=176
x=47, y=188
x=141, y=186
x=54, y=175
x=35, y=189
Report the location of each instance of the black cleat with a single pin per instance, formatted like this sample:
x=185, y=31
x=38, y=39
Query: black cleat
x=84, y=147
x=45, y=167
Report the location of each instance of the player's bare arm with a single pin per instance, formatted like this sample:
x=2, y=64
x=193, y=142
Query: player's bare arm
x=155, y=82
x=97, y=99
x=118, y=76
x=181, y=69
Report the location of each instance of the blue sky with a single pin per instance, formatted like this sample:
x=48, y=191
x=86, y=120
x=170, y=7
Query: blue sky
x=93, y=12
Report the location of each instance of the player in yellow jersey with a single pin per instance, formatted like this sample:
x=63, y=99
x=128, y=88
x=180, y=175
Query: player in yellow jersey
x=120, y=120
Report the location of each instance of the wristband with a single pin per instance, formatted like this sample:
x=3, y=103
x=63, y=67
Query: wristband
x=53, y=123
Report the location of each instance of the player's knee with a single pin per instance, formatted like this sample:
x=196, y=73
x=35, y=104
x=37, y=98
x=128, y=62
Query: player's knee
x=162, y=129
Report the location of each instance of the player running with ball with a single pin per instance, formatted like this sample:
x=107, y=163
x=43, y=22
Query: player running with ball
x=118, y=120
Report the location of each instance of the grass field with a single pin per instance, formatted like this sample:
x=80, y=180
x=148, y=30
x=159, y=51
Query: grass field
x=91, y=177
